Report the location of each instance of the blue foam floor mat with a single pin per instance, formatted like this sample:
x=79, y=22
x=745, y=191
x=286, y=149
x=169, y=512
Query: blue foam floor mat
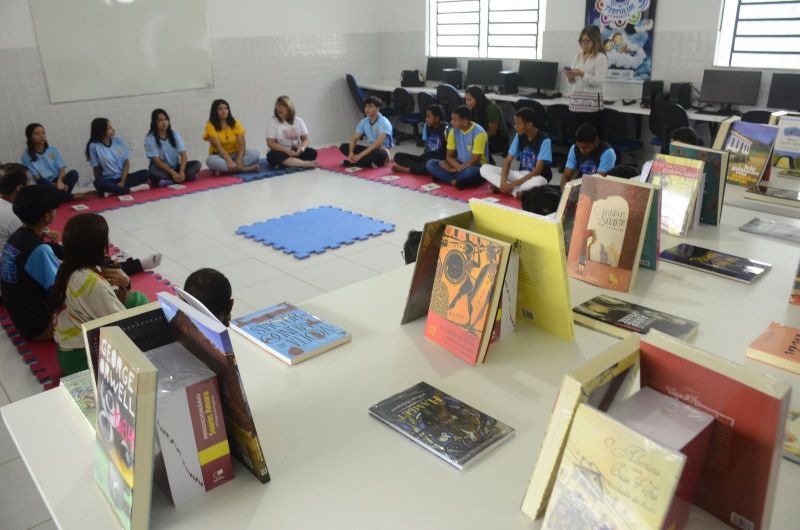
x=314, y=231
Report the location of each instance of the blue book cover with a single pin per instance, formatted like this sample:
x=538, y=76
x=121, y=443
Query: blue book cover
x=289, y=333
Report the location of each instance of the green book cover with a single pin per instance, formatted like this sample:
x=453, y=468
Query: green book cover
x=81, y=390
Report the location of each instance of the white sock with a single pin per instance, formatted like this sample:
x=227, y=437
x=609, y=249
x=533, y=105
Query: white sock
x=150, y=262
x=140, y=187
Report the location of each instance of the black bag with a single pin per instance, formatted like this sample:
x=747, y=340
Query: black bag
x=411, y=246
x=411, y=78
x=542, y=200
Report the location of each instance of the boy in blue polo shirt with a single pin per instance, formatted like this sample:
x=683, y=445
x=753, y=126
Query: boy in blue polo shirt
x=532, y=148
x=467, y=149
x=434, y=134
x=378, y=131
x=589, y=156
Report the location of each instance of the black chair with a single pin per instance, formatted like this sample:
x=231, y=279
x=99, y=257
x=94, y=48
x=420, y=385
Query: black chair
x=665, y=117
x=425, y=100
x=405, y=105
x=538, y=109
x=508, y=116
x=449, y=98
x=561, y=126
x=617, y=131
x=757, y=116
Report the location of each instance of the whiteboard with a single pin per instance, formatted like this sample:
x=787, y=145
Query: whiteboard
x=94, y=49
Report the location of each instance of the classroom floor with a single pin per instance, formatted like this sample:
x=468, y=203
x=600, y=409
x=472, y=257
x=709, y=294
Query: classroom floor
x=198, y=230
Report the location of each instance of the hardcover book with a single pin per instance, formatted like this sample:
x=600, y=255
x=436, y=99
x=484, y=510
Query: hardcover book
x=715, y=170
x=567, y=207
x=620, y=318
x=775, y=229
x=791, y=440
x=600, y=484
x=449, y=428
x=126, y=421
x=192, y=452
x=714, y=262
x=779, y=346
x=466, y=292
x=750, y=146
x=786, y=156
x=290, y=334
x=794, y=298
x=543, y=297
x=681, y=183
x=773, y=195
x=652, y=235
x=80, y=388
x=609, y=230
x=208, y=340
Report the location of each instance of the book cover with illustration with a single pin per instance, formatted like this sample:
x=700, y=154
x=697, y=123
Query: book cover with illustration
x=785, y=230
x=715, y=169
x=126, y=422
x=620, y=318
x=714, y=262
x=567, y=207
x=786, y=156
x=611, y=476
x=609, y=231
x=192, y=451
x=682, y=183
x=80, y=388
x=750, y=146
x=466, y=292
x=773, y=195
x=602, y=381
x=791, y=440
x=737, y=483
x=543, y=297
x=209, y=341
x=289, y=333
x=778, y=345
x=447, y=427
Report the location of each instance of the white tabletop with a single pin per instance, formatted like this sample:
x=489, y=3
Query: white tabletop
x=333, y=466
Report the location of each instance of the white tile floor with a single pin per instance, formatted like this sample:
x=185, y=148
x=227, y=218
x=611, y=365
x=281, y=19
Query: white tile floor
x=198, y=230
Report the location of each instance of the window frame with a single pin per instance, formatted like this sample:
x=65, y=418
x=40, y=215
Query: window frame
x=762, y=52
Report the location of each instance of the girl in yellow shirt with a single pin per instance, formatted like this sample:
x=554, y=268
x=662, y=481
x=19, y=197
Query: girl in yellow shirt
x=227, y=149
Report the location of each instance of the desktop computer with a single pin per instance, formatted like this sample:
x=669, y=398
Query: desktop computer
x=730, y=87
x=484, y=72
x=784, y=92
x=651, y=93
x=453, y=76
x=436, y=66
x=509, y=82
x=541, y=75
x=681, y=93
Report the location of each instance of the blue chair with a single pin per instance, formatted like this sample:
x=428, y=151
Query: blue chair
x=617, y=131
x=449, y=98
x=405, y=105
x=359, y=96
x=425, y=100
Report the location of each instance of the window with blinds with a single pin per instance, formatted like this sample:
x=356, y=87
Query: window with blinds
x=759, y=33
x=501, y=29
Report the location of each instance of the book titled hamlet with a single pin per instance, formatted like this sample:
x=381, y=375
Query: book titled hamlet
x=447, y=427
x=289, y=333
x=466, y=292
x=714, y=262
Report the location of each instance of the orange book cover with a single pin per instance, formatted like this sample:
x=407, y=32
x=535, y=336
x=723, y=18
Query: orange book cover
x=608, y=231
x=467, y=270
x=779, y=346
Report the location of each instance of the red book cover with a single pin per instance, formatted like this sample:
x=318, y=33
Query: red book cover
x=208, y=424
x=740, y=470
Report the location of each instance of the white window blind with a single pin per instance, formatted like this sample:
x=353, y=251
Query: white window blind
x=759, y=33
x=502, y=29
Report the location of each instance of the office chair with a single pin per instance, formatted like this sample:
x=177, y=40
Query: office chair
x=757, y=116
x=359, y=96
x=538, y=109
x=425, y=100
x=561, y=126
x=404, y=103
x=616, y=130
x=508, y=111
x=448, y=98
x=665, y=117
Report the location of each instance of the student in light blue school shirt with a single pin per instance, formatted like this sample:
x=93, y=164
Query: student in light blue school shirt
x=588, y=156
x=45, y=164
x=167, y=152
x=378, y=131
x=109, y=158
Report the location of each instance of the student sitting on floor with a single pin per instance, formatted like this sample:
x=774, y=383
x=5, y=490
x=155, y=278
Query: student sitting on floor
x=532, y=148
x=45, y=165
x=88, y=286
x=488, y=115
x=213, y=289
x=167, y=152
x=467, y=150
x=589, y=156
x=109, y=158
x=378, y=131
x=28, y=265
x=227, y=150
x=434, y=134
x=12, y=179
x=287, y=138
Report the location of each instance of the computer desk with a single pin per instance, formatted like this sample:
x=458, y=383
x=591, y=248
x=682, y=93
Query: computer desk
x=333, y=466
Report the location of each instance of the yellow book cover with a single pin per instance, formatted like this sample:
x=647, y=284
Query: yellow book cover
x=681, y=182
x=543, y=291
x=612, y=477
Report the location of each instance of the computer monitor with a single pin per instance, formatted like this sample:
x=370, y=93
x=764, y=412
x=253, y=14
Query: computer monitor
x=783, y=92
x=433, y=72
x=538, y=74
x=484, y=72
x=730, y=87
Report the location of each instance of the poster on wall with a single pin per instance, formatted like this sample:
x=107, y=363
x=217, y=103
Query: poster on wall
x=626, y=29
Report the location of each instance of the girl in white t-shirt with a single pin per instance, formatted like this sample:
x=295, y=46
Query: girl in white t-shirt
x=287, y=138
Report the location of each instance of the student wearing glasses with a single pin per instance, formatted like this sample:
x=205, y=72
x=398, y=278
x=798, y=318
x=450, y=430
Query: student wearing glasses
x=586, y=77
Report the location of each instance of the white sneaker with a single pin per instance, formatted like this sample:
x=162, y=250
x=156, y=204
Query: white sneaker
x=150, y=262
x=140, y=187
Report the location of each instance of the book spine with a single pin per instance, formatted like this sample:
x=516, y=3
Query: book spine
x=208, y=425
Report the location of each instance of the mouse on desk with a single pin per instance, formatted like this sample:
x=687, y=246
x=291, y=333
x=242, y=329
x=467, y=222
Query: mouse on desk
x=628, y=102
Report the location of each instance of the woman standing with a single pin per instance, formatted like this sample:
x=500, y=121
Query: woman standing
x=287, y=138
x=167, y=152
x=489, y=116
x=586, y=77
x=227, y=148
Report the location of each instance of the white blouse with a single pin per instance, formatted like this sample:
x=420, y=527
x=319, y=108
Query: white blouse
x=594, y=72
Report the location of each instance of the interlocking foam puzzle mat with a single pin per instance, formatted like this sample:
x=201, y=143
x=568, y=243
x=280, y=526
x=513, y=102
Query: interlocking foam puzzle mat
x=331, y=159
x=314, y=231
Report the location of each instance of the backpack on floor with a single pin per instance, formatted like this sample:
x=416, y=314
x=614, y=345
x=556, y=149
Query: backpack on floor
x=542, y=200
